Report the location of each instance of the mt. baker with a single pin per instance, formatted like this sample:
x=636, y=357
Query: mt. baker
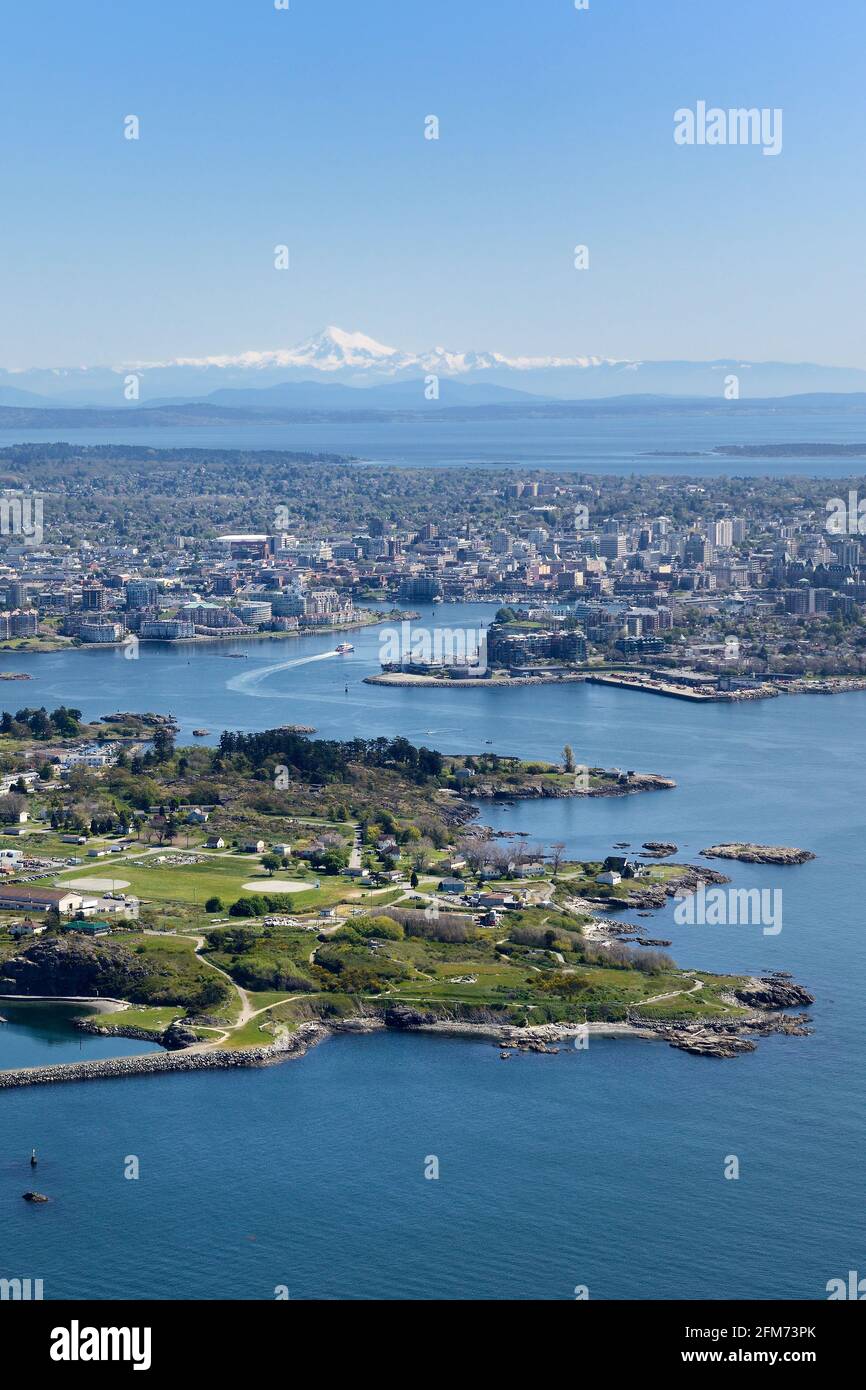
x=355, y=360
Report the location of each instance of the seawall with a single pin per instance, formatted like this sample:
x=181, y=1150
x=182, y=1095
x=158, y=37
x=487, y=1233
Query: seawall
x=109, y=1068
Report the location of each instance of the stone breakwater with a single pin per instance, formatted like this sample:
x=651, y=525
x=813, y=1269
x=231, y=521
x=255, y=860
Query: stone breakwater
x=109, y=1068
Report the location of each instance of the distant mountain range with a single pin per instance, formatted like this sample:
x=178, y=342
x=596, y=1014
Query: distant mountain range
x=516, y=406
x=337, y=371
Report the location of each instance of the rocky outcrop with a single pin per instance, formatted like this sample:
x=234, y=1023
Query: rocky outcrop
x=703, y=1042
x=401, y=1016
x=727, y=1037
x=115, y=1030
x=365, y=1024
x=659, y=849
x=178, y=1035
x=759, y=854
x=73, y=967
x=770, y=992
x=34, y=1197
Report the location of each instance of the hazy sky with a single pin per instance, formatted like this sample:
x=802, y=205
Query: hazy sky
x=306, y=127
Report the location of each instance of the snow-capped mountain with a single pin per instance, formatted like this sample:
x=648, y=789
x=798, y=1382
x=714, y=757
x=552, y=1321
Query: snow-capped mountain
x=355, y=360
x=334, y=350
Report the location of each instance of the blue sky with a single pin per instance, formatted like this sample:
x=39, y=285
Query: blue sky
x=305, y=127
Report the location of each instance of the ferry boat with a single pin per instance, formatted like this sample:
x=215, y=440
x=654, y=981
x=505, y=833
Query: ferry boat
x=345, y=647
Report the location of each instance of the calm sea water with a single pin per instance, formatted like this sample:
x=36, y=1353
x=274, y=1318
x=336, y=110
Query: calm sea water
x=602, y=1167
x=601, y=443
x=40, y=1034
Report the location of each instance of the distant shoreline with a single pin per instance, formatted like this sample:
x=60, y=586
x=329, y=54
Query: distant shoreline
x=719, y=1038
x=796, y=685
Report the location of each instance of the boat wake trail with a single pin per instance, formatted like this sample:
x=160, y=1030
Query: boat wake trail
x=248, y=683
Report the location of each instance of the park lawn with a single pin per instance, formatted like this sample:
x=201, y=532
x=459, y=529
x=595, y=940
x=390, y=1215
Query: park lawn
x=705, y=1003
x=151, y=1020
x=267, y=998
x=253, y=1034
x=696, y=1006
x=192, y=883
x=442, y=985
x=161, y=942
x=219, y=877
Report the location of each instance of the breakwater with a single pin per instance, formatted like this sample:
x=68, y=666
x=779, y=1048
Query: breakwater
x=109, y=1068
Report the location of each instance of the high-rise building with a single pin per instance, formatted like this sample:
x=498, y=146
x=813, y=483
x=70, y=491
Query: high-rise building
x=93, y=598
x=16, y=594
x=142, y=593
x=699, y=550
x=612, y=545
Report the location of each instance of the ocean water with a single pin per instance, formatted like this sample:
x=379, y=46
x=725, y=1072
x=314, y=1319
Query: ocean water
x=638, y=442
x=603, y=1167
x=38, y=1034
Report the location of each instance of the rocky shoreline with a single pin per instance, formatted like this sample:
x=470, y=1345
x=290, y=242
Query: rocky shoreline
x=720, y=1038
x=625, y=785
x=767, y=996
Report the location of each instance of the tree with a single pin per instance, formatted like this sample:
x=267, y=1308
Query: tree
x=556, y=853
x=568, y=758
x=213, y=905
x=163, y=745
x=333, y=860
x=271, y=862
x=413, y=878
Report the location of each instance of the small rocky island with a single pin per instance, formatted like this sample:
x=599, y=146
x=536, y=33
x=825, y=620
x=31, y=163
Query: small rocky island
x=759, y=854
x=495, y=777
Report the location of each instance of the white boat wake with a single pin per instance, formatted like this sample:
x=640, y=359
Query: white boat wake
x=247, y=683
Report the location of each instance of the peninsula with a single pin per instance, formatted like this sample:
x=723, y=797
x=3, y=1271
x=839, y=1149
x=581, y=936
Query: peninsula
x=275, y=888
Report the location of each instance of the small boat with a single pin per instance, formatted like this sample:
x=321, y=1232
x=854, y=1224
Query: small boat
x=200, y=733
x=344, y=647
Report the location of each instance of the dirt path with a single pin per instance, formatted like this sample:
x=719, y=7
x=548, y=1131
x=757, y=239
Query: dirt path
x=674, y=994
